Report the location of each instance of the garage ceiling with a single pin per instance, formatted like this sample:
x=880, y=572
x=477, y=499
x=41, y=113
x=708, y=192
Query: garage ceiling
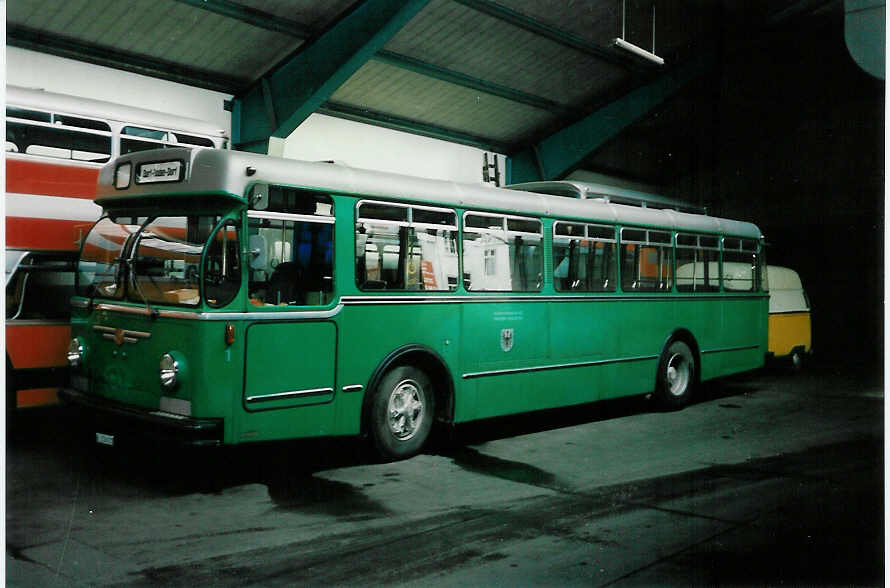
x=538, y=80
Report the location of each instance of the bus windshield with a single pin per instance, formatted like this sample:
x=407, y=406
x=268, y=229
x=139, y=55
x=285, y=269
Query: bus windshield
x=155, y=260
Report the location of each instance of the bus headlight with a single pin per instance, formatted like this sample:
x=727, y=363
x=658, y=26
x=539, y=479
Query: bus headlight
x=76, y=352
x=169, y=371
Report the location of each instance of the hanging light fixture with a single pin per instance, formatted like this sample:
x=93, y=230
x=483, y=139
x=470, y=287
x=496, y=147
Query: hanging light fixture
x=625, y=45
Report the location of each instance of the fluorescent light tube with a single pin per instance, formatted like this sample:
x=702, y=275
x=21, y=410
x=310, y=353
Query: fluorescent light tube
x=638, y=51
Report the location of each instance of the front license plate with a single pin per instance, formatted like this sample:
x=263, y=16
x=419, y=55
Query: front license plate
x=103, y=439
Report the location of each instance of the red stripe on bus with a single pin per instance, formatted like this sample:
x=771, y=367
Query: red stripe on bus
x=36, y=397
x=37, y=346
x=45, y=233
x=51, y=179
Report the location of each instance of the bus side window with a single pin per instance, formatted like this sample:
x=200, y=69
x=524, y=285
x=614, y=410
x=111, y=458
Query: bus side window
x=646, y=260
x=583, y=257
x=41, y=289
x=698, y=263
x=66, y=138
x=405, y=247
x=741, y=264
x=502, y=254
x=291, y=259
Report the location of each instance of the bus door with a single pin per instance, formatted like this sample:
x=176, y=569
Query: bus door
x=39, y=286
x=291, y=353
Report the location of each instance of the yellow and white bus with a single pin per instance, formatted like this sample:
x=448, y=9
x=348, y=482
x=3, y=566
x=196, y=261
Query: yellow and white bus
x=790, y=329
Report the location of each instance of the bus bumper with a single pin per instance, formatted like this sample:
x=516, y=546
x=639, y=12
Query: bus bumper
x=111, y=420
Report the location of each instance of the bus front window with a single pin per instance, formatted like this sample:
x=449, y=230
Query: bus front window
x=99, y=269
x=222, y=266
x=166, y=260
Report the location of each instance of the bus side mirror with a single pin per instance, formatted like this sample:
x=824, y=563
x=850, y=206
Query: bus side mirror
x=257, y=248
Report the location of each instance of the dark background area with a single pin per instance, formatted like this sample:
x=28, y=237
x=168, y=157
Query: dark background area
x=786, y=132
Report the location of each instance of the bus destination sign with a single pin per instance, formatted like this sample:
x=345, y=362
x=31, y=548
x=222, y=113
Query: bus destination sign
x=162, y=171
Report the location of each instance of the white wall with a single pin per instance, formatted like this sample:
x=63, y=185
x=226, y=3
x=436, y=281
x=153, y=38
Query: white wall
x=322, y=138
x=318, y=138
x=66, y=76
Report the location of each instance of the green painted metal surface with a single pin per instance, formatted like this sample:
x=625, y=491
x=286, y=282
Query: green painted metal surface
x=289, y=374
x=305, y=81
x=560, y=153
x=453, y=77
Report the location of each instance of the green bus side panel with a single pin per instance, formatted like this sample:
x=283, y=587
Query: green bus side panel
x=370, y=333
x=289, y=380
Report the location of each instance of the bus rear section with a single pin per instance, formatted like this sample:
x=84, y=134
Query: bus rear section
x=790, y=327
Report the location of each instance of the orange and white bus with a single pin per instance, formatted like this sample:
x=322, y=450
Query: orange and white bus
x=55, y=146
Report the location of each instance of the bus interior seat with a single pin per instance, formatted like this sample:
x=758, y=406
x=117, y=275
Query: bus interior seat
x=284, y=285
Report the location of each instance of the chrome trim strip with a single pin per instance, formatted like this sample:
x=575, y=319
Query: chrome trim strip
x=79, y=303
x=271, y=315
x=327, y=220
x=127, y=333
x=140, y=310
x=541, y=368
x=353, y=388
x=740, y=348
x=292, y=394
x=450, y=299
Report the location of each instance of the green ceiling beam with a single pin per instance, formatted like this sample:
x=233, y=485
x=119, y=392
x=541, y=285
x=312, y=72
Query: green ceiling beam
x=254, y=17
x=409, y=126
x=26, y=38
x=298, y=86
x=562, y=152
x=463, y=80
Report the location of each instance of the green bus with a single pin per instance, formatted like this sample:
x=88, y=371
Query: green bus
x=228, y=297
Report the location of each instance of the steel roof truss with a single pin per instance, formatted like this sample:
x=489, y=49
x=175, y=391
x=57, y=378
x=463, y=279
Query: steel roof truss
x=562, y=152
x=303, y=82
x=453, y=77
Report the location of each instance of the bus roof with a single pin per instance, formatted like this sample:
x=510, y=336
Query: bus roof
x=41, y=99
x=590, y=190
x=233, y=172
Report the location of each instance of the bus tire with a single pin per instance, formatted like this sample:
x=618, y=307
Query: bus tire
x=402, y=412
x=676, y=376
x=796, y=360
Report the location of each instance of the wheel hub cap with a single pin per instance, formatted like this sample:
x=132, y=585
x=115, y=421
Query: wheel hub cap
x=405, y=410
x=677, y=374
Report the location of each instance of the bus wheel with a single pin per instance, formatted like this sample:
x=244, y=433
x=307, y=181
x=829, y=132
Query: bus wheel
x=796, y=361
x=402, y=412
x=676, y=376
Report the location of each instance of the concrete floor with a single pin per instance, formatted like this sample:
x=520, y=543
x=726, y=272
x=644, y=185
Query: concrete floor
x=768, y=479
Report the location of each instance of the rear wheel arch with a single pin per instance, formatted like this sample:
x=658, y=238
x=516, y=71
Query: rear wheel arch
x=677, y=345
x=687, y=337
x=425, y=359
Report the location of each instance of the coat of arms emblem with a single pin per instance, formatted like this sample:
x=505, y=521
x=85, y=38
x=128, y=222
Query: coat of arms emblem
x=506, y=339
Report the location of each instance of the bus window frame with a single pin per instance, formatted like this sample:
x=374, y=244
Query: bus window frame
x=567, y=240
x=696, y=247
x=57, y=127
x=669, y=244
x=505, y=232
x=408, y=223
